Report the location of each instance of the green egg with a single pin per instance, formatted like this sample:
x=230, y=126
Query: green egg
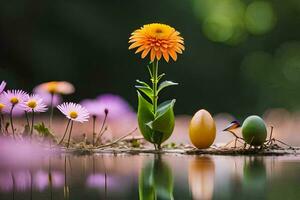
x=254, y=130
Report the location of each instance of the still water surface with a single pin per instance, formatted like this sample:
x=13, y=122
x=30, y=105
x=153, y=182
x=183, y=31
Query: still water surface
x=152, y=177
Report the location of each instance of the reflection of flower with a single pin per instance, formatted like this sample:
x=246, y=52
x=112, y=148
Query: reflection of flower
x=160, y=40
x=116, y=105
x=74, y=112
x=98, y=181
x=22, y=180
x=42, y=179
x=55, y=87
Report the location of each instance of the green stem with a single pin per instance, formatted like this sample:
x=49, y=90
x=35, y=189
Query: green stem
x=32, y=122
x=70, y=134
x=154, y=84
x=11, y=121
x=51, y=110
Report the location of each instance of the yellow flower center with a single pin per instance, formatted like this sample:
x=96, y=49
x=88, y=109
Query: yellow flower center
x=32, y=104
x=73, y=114
x=52, y=87
x=1, y=106
x=14, y=100
x=159, y=31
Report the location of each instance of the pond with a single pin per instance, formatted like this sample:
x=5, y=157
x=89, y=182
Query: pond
x=148, y=176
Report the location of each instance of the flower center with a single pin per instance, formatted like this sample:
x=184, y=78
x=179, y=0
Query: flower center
x=158, y=31
x=52, y=87
x=1, y=106
x=73, y=114
x=31, y=104
x=14, y=100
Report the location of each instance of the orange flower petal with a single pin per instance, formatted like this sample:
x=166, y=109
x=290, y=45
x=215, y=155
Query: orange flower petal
x=152, y=55
x=166, y=56
x=141, y=48
x=145, y=52
x=134, y=45
x=158, y=55
x=173, y=55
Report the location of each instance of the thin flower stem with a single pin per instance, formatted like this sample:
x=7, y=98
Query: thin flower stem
x=51, y=110
x=32, y=122
x=94, y=133
x=102, y=127
x=70, y=134
x=27, y=119
x=11, y=121
x=62, y=139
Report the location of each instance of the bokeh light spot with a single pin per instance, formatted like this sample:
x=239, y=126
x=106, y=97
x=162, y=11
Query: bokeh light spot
x=260, y=17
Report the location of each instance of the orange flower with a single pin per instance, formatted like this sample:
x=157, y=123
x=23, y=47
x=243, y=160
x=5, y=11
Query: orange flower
x=160, y=40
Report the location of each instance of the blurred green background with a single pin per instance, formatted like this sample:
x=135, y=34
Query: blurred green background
x=242, y=56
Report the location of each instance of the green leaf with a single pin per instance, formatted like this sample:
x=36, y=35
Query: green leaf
x=43, y=131
x=164, y=122
x=145, y=115
x=165, y=84
x=143, y=83
x=146, y=90
x=160, y=76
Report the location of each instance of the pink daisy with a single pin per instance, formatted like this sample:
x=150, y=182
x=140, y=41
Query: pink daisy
x=2, y=86
x=13, y=98
x=74, y=112
x=34, y=103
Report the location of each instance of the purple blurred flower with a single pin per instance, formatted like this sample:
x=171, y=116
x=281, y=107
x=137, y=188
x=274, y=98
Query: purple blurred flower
x=20, y=154
x=57, y=99
x=6, y=182
x=93, y=106
x=116, y=105
x=2, y=86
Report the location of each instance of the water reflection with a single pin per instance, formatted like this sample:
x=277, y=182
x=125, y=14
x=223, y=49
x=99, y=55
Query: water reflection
x=156, y=180
x=255, y=178
x=147, y=177
x=201, y=177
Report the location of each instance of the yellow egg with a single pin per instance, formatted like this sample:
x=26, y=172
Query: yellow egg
x=202, y=129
